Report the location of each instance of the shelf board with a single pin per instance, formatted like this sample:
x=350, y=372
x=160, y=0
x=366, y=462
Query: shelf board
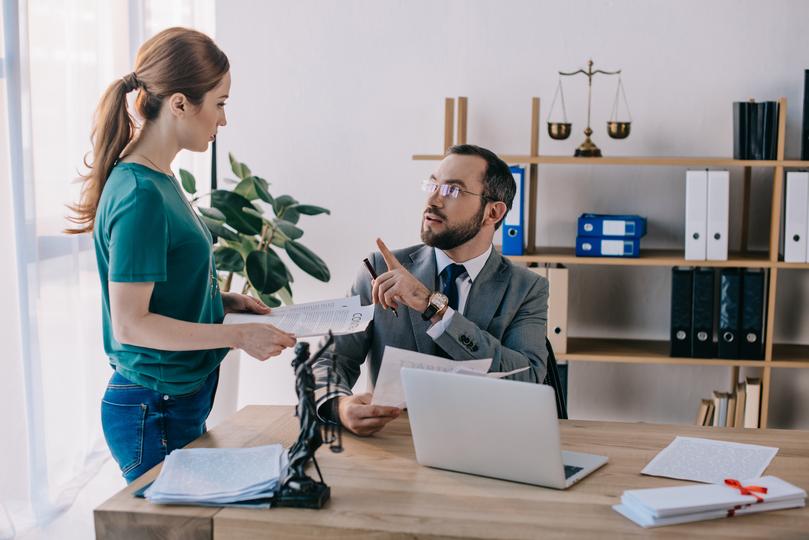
x=664, y=161
x=788, y=355
x=793, y=266
x=648, y=257
x=636, y=351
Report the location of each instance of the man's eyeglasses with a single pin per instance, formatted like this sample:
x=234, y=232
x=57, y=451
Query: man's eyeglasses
x=448, y=191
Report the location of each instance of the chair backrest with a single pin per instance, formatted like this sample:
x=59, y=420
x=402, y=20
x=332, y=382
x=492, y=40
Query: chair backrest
x=553, y=380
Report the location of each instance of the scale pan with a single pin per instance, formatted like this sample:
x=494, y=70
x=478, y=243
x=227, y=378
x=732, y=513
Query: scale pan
x=618, y=130
x=559, y=130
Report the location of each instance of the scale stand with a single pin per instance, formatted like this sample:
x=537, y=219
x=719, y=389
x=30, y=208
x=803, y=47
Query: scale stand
x=298, y=490
x=615, y=129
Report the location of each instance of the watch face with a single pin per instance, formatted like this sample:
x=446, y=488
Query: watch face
x=439, y=300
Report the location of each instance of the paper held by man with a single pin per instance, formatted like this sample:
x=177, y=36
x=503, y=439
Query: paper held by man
x=388, y=390
x=340, y=316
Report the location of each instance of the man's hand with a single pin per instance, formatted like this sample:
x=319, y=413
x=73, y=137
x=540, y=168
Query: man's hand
x=361, y=418
x=242, y=303
x=398, y=286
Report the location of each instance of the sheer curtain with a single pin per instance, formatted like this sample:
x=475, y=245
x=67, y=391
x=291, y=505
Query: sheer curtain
x=57, y=58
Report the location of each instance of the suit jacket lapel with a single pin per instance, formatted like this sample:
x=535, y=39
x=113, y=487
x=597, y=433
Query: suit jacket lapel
x=487, y=291
x=423, y=269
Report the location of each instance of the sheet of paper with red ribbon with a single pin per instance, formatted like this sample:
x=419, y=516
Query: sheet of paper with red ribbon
x=657, y=507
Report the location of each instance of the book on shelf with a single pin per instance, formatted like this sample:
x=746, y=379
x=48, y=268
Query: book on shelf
x=739, y=408
x=731, y=416
x=753, y=402
x=741, y=395
x=720, y=402
x=702, y=413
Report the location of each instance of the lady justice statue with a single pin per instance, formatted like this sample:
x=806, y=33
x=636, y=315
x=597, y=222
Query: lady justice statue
x=297, y=488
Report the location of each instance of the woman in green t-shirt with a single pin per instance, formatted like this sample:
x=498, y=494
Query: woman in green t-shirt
x=162, y=308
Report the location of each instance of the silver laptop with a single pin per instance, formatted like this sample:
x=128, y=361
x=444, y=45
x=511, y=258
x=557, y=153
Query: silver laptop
x=491, y=427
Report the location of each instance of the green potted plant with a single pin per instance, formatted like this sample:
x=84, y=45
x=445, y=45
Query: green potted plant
x=248, y=235
x=250, y=227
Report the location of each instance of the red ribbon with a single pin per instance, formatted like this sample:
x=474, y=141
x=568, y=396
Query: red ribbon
x=747, y=490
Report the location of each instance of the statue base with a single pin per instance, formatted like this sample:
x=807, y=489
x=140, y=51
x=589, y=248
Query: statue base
x=307, y=494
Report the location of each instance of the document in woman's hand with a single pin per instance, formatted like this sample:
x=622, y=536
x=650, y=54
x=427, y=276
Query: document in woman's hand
x=340, y=316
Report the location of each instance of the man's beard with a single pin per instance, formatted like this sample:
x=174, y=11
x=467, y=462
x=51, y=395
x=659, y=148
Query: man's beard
x=453, y=236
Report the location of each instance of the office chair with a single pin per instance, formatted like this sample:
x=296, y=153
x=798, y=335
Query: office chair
x=552, y=379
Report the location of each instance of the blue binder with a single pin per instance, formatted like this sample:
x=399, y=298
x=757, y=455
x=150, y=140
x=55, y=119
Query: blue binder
x=594, y=246
x=624, y=226
x=513, y=238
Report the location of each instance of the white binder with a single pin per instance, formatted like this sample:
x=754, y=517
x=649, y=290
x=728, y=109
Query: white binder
x=557, y=309
x=718, y=210
x=796, y=224
x=696, y=214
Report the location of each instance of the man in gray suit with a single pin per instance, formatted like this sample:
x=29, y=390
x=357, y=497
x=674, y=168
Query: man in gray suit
x=453, y=296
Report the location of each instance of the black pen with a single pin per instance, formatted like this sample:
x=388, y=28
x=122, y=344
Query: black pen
x=373, y=276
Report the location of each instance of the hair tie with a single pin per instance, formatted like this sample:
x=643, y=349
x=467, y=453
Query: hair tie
x=131, y=82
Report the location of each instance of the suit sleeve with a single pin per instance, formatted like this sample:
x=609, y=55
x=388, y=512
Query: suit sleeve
x=346, y=354
x=523, y=343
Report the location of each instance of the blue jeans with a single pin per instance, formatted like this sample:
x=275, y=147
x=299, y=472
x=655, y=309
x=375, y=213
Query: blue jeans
x=142, y=426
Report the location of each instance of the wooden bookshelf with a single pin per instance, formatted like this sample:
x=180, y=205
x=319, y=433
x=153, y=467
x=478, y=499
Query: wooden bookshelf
x=670, y=161
x=648, y=257
x=637, y=351
x=630, y=351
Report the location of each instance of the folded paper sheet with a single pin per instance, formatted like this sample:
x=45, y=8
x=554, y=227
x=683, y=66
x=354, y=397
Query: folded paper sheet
x=388, y=389
x=340, y=315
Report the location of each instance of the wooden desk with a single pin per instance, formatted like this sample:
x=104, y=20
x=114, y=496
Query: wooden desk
x=379, y=491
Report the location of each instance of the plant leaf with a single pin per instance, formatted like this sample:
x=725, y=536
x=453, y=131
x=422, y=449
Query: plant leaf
x=269, y=299
x=266, y=271
x=286, y=295
x=282, y=202
x=218, y=228
x=252, y=188
x=307, y=260
x=311, y=210
x=291, y=215
x=239, y=169
x=212, y=213
x=188, y=181
x=292, y=232
x=253, y=211
x=228, y=259
x=231, y=204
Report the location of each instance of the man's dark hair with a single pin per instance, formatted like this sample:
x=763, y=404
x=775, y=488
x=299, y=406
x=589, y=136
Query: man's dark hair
x=498, y=183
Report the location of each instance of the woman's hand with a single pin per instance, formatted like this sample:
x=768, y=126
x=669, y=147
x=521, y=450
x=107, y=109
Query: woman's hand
x=262, y=341
x=242, y=303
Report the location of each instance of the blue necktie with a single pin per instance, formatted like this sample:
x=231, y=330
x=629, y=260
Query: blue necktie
x=449, y=287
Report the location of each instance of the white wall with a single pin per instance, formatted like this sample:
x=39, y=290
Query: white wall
x=331, y=98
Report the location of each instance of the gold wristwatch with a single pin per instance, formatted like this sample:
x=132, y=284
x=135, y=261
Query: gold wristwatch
x=436, y=305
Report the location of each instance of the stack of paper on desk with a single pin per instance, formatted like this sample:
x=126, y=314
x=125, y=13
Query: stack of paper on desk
x=219, y=476
x=340, y=316
x=673, y=505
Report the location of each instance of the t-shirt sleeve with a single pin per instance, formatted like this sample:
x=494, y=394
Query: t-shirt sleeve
x=139, y=238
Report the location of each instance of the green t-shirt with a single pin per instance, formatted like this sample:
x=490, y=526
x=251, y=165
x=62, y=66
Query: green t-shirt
x=145, y=231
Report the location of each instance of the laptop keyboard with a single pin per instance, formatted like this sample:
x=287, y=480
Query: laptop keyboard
x=570, y=470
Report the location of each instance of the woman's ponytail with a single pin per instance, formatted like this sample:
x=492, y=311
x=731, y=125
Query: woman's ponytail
x=112, y=132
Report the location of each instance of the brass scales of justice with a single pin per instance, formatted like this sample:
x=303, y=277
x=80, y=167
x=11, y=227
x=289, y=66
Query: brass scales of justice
x=616, y=129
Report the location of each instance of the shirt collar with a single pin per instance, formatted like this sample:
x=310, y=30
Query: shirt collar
x=472, y=266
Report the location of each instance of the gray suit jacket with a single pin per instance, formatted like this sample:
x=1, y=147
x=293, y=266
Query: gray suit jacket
x=505, y=319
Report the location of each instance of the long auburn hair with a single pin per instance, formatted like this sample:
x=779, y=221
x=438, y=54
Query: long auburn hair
x=175, y=60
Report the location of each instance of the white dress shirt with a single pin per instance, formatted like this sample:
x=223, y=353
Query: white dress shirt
x=463, y=282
